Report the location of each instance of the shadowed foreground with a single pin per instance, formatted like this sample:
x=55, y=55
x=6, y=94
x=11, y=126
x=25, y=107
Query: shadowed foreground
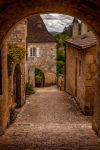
x=50, y=121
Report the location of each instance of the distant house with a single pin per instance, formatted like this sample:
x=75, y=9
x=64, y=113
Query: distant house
x=41, y=52
x=81, y=67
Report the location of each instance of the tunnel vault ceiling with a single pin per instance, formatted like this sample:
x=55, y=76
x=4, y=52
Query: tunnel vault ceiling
x=12, y=11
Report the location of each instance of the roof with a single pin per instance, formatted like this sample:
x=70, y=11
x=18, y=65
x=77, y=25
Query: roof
x=83, y=41
x=37, y=31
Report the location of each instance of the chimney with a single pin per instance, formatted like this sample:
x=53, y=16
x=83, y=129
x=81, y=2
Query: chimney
x=84, y=28
x=75, y=28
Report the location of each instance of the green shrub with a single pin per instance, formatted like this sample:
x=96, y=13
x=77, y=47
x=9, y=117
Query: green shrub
x=29, y=89
x=60, y=67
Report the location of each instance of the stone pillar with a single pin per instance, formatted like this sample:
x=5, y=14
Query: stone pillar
x=22, y=83
x=26, y=72
x=96, y=116
x=84, y=28
x=75, y=28
x=4, y=109
x=31, y=77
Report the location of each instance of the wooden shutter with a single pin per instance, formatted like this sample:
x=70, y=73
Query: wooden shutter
x=38, y=52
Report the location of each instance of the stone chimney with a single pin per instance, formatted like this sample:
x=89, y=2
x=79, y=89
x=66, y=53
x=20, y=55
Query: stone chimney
x=84, y=28
x=75, y=28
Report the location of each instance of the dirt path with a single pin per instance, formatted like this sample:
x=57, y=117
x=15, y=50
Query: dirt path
x=50, y=121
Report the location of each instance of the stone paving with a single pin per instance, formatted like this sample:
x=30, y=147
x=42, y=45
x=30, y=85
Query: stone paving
x=50, y=121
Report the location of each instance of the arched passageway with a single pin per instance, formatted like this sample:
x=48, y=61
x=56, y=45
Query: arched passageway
x=11, y=13
x=39, y=78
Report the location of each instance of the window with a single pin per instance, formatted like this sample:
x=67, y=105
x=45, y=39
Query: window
x=32, y=52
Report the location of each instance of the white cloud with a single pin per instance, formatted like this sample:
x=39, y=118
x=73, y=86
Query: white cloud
x=56, y=22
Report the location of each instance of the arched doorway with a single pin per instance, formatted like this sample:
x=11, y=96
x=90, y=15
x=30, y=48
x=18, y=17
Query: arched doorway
x=17, y=86
x=39, y=78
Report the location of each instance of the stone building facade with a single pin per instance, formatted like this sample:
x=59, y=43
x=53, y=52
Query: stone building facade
x=81, y=69
x=16, y=80
x=41, y=51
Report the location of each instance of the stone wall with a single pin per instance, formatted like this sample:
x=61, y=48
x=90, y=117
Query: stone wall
x=60, y=82
x=85, y=78
x=90, y=75
x=17, y=36
x=45, y=61
x=18, y=33
x=72, y=55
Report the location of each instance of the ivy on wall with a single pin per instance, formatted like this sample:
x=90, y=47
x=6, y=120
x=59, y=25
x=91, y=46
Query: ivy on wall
x=15, y=54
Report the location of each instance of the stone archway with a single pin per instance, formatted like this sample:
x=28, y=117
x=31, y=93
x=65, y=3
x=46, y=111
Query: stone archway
x=35, y=82
x=11, y=13
x=39, y=78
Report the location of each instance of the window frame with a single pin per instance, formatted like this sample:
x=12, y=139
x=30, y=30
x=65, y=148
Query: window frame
x=33, y=52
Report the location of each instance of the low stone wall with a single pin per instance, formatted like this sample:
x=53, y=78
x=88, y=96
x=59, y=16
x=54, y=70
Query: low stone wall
x=60, y=82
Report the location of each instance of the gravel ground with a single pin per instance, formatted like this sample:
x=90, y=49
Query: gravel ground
x=50, y=121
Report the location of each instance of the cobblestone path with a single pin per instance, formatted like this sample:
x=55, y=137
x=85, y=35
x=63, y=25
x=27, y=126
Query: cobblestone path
x=50, y=121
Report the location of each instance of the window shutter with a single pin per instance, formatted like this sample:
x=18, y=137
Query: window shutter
x=28, y=52
x=38, y=52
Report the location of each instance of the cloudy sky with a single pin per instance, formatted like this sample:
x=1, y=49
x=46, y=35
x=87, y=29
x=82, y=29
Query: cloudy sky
x=56, y=22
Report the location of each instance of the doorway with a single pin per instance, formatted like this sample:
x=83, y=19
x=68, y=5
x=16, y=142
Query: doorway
x=17, y=86
x=39, y=78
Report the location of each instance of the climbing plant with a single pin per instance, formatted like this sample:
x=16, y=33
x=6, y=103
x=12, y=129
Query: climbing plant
x=15, y=54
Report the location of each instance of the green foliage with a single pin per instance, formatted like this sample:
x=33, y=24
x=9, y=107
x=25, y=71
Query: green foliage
x=60, y=67
x=38, y=75
x=15, y=54
x=68, y=31
x=29, y=89
x=38, y=78
x=60, y=61
x=38, y=72
x=61, y=55
x=60, y=38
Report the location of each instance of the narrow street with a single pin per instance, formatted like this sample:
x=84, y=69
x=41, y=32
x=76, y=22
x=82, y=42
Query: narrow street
x=50, y=121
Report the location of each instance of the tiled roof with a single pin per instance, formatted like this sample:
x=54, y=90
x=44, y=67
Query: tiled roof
x=37, y=31
x=83, y=41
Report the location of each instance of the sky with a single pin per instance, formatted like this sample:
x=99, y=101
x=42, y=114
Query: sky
x=56, y=22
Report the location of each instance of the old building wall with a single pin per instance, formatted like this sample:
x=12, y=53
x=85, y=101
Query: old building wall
x=18, y=33
x=75, y=63
x=45, y=60
x=81, y=78
x=17, y=36
x=90, y=76
x=86, y=76
x=70, y=69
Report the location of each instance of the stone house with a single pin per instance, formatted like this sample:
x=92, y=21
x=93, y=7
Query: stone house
x=41, y=52
x=16, y=79
x=81, y=67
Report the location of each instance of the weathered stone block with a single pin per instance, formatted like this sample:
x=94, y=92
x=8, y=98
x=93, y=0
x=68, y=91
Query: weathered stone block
x=88, y=76
x=90, y=83
x=93, y=68
x=89, y=59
